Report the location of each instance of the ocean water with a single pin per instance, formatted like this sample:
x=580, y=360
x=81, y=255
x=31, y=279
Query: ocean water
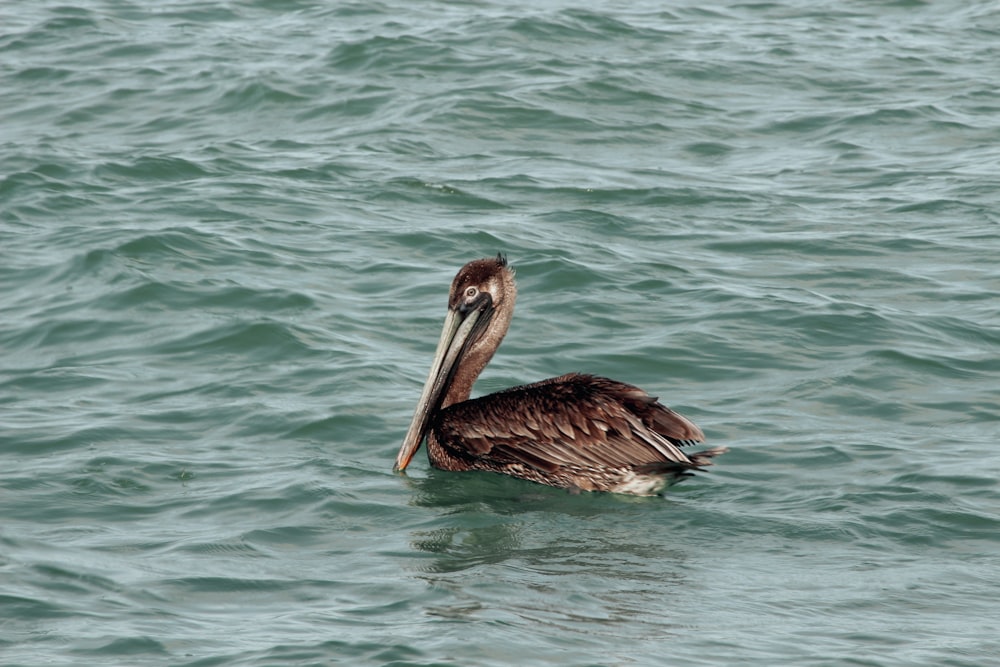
x=227, y=232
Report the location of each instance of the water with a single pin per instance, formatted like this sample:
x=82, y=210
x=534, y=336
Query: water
x=226, y=233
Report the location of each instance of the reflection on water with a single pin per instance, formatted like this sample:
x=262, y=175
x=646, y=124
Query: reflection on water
x=545, y=559
x=461, y=548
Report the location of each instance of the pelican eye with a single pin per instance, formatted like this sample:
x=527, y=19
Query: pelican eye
x=473, y=298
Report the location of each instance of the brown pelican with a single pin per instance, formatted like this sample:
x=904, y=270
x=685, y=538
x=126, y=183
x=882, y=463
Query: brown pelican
x=575, y=431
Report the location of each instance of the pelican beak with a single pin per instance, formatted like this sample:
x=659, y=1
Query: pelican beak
x=458, y=329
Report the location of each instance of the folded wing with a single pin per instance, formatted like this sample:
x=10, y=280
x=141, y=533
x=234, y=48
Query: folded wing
x=571, y=420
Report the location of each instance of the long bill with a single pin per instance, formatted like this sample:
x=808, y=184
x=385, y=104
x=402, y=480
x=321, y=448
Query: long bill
x=454, y=336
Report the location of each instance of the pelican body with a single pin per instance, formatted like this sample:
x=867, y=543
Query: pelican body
x=579, y=432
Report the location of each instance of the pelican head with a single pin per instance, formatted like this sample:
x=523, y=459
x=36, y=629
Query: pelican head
x=480, y=306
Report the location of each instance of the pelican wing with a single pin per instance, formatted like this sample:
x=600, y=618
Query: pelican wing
x=571, y=420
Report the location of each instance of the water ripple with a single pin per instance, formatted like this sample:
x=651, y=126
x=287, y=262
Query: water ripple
x=227, y=237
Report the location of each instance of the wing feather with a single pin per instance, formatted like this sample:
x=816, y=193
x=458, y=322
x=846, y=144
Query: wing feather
x=571, y=420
